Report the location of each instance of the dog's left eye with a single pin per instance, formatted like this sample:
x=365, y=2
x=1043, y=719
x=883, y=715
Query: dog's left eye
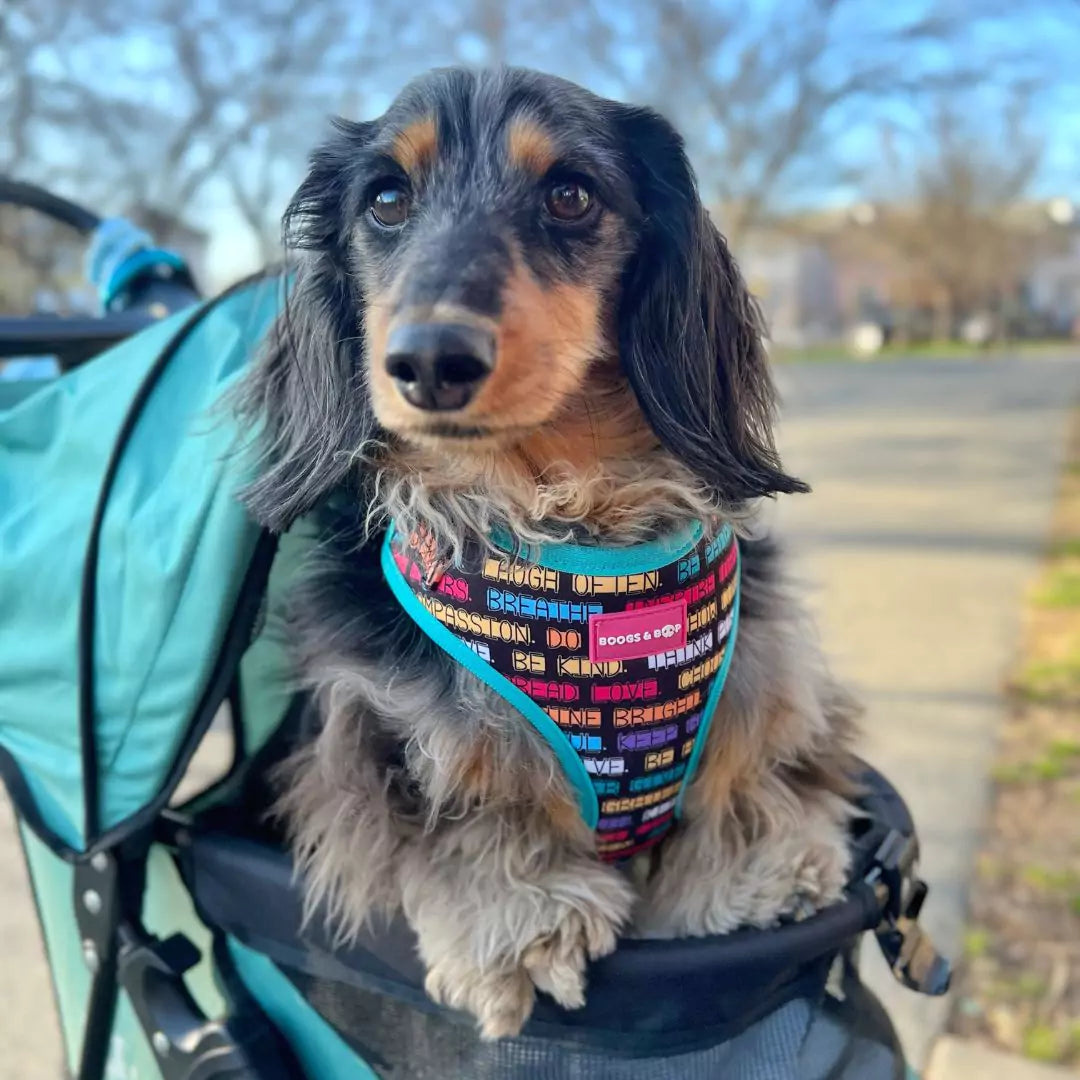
x=568, y=200
x=390, y=206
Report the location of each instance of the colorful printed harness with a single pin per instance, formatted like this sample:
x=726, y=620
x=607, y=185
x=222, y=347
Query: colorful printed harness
x=616, y=656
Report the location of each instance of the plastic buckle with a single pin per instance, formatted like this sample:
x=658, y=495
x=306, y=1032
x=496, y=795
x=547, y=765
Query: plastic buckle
x=186, y=1044
x=907, y=948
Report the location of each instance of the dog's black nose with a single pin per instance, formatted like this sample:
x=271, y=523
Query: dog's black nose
x=439, y=366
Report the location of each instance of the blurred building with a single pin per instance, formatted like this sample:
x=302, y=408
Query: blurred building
x=794, y=280
x=1053, y=287
x=819, y=274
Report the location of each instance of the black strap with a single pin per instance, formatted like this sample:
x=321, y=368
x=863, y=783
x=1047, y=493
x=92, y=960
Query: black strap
x=238, y=637
x=88, y=594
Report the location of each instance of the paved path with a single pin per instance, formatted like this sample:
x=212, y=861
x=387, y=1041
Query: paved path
x=933, y=486
x=29, y=1036
x=963, y=1059
x=933, y=490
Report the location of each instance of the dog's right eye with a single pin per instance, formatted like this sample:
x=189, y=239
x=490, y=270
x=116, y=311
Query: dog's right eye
x=568, y=201
x=390, y=206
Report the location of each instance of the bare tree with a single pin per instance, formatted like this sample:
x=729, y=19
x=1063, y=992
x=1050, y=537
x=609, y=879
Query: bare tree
x=767, y=97
x=954, y=216
x=205, y=111
x=173, y=105
x=179, y=111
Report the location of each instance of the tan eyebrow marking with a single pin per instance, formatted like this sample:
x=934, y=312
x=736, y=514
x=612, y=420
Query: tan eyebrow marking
x=415, y=146
x=530, y=146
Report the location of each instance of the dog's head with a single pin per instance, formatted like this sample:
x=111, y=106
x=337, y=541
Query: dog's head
x=480, y=254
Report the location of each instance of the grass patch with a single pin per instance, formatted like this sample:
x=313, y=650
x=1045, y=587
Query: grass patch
x=1052, y=765
x=812, y=354
x=1023, y=772
x=1043, y=1043
x=1010, y=773
x=1064, y=749
x=1060, y=590
x=976, y=942
x=1069, y=548
x=1048, y=768
x=1050, y=881
x=1028, y=901
x=1049, y=680
x=832, y=352
x=1030, y=986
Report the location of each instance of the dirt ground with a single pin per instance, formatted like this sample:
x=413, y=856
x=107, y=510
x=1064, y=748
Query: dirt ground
x=1019, y=983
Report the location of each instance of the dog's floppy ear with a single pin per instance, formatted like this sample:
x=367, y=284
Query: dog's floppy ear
x=305, y=393
x=689, y=330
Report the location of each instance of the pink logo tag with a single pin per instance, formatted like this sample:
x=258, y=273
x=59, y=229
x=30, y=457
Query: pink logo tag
x=630, y=635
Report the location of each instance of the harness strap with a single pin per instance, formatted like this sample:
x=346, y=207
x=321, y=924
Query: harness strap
x=617, y=657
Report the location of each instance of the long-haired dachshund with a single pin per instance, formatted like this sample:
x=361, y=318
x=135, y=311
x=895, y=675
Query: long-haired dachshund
x=514, y=330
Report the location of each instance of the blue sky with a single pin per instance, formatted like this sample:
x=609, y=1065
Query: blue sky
x=1042, y=36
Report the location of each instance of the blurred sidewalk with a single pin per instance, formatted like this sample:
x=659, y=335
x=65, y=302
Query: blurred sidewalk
x=961, y=1059
x=933, y=487
x=29, y=1033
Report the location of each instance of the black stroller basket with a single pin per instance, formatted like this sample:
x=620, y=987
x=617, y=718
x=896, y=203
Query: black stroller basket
x=780, y=1003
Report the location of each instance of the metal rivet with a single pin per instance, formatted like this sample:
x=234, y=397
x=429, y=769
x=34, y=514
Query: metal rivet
x=90, y=956
x=160, y=1042
x=92, y=901
x=100, y=862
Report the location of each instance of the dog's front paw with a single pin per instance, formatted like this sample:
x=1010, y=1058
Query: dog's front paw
x=705, y=888
x=501, y=1000
x=490, y=962
x=500, y=995
x=821, y=876
x=556, y=963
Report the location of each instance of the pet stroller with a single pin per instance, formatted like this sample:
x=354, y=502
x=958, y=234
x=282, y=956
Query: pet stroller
x=138, y=620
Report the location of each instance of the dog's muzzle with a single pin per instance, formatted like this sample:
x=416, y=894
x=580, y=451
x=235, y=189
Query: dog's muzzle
x=439, y=367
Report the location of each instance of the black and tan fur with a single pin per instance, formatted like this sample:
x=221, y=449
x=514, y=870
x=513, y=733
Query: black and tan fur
x=629, y=394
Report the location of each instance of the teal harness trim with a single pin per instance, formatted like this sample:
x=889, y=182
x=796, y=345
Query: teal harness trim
x=717, y=688
x=459, y=651
x=576, y=559
x=579, y=559
x=589, y=559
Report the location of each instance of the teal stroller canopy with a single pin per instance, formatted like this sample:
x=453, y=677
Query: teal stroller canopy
x=123, y=551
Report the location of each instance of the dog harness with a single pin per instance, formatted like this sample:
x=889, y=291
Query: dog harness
x=617, y=656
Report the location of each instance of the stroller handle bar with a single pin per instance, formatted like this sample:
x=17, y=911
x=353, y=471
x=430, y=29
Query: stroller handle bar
x=137, y=283
x=20, y=193
x=75, y=338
